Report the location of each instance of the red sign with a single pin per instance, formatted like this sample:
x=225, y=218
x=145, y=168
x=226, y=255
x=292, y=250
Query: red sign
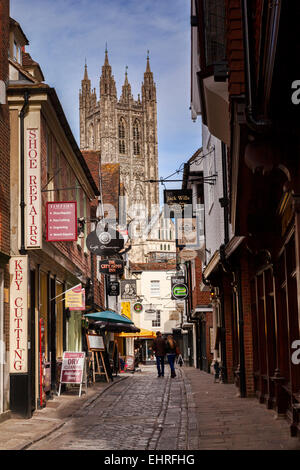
x=72, y=367
x=62, y=221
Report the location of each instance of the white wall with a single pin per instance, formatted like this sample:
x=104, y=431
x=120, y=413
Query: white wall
x=164, y=303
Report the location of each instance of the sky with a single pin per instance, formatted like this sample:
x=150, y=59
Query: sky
x=63, y=34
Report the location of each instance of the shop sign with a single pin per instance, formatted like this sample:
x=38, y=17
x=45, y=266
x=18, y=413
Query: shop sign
x=75, y=298
x=33, y=210
x=179, y=290
x=111, y=266
x=128, y=289
x=72, y=367
x=61, y=221
x=125, y=309
x=138, y=307
x=177, y=201
x=113, y=288
x=82, y=306
x=187, y=232
x=103, y=242
x=129, y=362
x=18, y=269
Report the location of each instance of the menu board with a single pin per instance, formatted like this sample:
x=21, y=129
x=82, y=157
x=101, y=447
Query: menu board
x=95, y=342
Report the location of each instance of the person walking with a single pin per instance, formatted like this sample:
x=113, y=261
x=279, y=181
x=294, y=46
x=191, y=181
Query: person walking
x=171, y=347
x=159, y=347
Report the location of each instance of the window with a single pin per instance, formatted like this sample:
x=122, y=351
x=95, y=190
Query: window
x=136, y=137
x=214, y=24
x=122, y=135
x=156, y=323
x=155, y=289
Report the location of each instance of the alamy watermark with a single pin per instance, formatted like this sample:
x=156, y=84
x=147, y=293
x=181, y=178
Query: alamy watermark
x=296, y=354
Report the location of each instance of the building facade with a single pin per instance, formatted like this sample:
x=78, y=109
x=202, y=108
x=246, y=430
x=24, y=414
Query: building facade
x=46, y=166
x=244, y=85
x=4, y=210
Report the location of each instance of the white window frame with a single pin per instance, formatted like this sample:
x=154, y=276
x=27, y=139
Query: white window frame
x=156, y=291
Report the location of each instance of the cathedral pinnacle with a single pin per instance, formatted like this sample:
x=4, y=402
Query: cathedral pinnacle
x=85, y=77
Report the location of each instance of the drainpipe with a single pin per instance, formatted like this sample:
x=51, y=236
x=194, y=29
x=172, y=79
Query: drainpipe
x=241, y=335
x=22, y=171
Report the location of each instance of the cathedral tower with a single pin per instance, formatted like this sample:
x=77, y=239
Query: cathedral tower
x=124, y=130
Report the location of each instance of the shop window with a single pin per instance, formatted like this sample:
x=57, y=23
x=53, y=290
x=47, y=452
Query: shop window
x=44, y=309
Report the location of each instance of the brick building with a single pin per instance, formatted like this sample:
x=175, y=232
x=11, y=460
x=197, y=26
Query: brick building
x=4, y=208
x=244, y=74
x=46, y=167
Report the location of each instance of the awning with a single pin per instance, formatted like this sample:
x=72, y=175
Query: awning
x=109, y=316
x=146, y=334
x=116, y=327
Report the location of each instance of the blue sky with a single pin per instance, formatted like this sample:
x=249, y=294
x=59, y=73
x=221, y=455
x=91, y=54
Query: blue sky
x=63, y=33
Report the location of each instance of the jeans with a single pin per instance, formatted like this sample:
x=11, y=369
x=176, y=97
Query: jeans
x=160, y=363
x=171, y=360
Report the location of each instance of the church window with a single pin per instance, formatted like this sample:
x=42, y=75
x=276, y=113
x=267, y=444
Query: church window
x=122, y=136
x=136, y=137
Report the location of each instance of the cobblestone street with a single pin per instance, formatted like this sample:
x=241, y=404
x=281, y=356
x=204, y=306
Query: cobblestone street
x=142, y=412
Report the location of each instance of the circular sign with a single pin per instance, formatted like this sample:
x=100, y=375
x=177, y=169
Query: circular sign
x=180, y=291
x=138, y=307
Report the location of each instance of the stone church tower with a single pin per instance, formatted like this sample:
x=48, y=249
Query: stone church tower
x=124, y=130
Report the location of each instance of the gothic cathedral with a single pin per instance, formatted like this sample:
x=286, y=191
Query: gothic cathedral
x=124, y=131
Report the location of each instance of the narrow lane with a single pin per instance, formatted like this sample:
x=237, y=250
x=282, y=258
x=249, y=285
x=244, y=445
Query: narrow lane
x=142, y=412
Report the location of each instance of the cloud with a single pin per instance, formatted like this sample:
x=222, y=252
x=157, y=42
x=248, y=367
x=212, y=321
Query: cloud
x=62, y=34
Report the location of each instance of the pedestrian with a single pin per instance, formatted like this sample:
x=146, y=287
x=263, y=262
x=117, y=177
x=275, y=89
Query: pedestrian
x=171, y=348
x=159, y=347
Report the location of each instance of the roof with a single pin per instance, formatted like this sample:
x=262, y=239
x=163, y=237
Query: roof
x=38, y=88
x=27, y=61
x=13, y=23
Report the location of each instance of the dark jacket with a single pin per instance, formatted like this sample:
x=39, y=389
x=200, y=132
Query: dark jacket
x=159, y=346
x=169, y=349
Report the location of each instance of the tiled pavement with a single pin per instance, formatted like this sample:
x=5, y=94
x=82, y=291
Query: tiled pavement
x=228, y=422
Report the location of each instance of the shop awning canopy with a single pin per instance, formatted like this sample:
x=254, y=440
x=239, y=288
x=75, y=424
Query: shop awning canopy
x=109, y=316
x=116, y=327
x=146, y=334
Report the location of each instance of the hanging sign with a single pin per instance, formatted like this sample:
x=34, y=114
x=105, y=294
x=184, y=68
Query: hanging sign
x=179, y=292
x=128, y=289
x=82, y=306
x=111, y=266
x=187, y=232
x=61, y=221
x=177, y=201
x=125, y=309
x=33, y=198
x=138, y=307
x=113, y=288
x=18, y=345
x=74, y=298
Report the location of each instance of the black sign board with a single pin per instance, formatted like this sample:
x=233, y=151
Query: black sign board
x=179, y=290
x=113, y=288
x=177, y=202
x=111, y=266
x=105, y=242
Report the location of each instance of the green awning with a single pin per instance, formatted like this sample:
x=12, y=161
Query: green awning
x=109, y=316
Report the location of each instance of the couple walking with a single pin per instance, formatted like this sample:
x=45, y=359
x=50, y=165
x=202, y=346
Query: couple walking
x=161, y=347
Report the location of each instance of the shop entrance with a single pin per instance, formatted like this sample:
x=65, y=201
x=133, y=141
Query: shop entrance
x=31, y=350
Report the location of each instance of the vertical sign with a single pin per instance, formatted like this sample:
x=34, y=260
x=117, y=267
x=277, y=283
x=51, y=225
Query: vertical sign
x=125, y=309
x=33, y=223
x=18, y=269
